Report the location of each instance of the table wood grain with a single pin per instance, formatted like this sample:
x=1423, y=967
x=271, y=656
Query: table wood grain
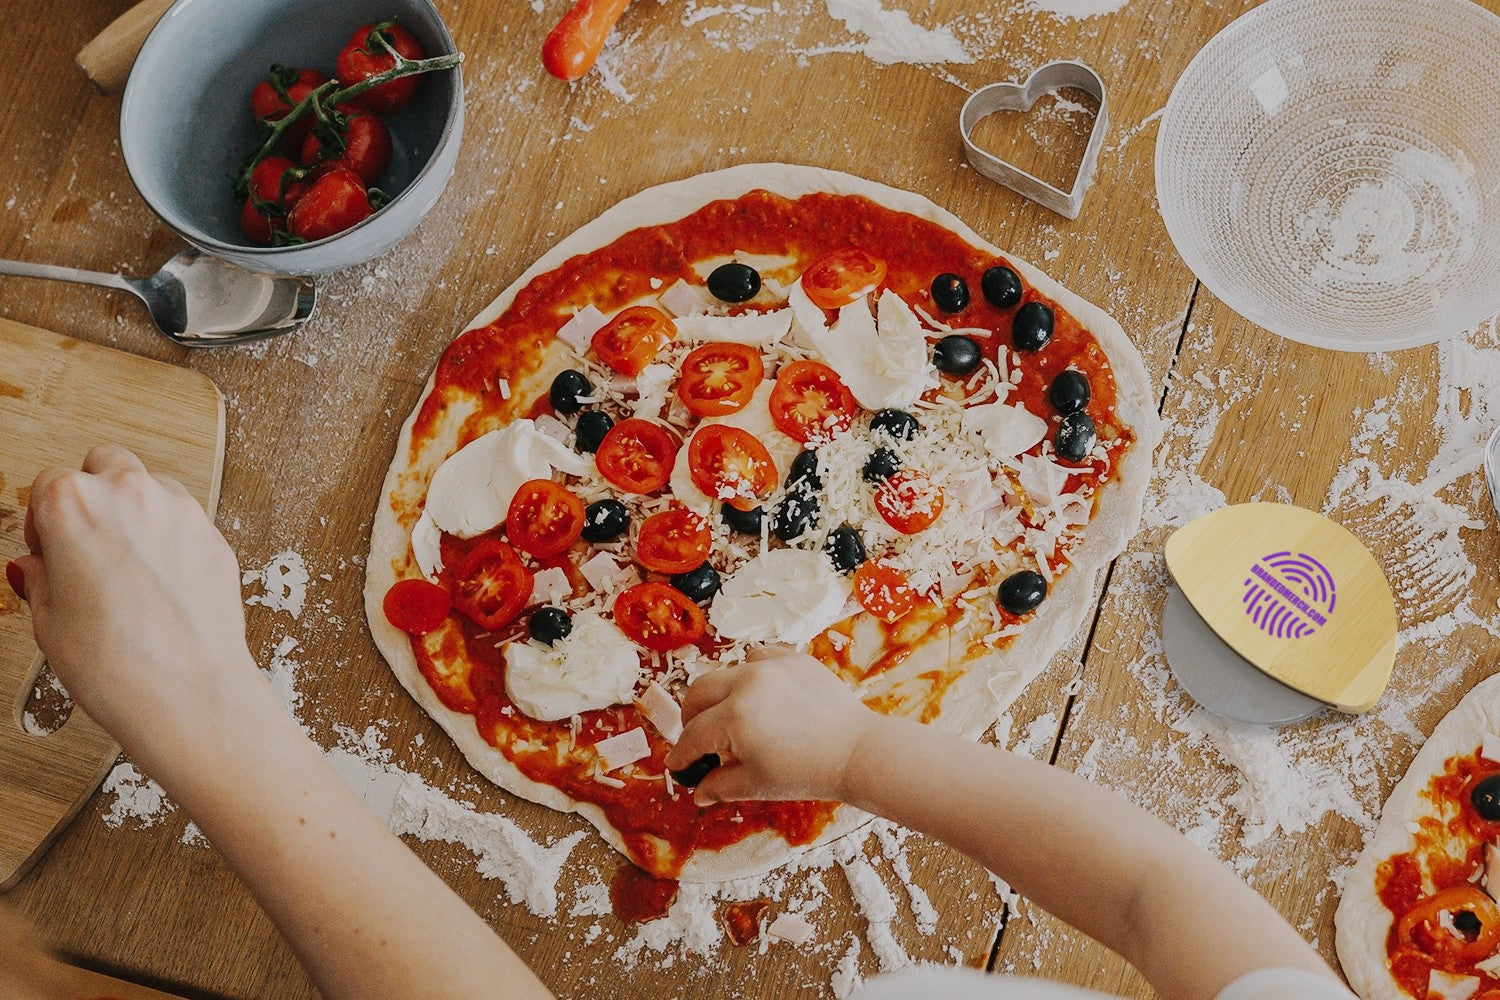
x=313, y=418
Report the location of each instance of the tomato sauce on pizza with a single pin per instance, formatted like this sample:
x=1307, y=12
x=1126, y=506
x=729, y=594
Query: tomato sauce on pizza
x=840, y=263
x=1438, y=893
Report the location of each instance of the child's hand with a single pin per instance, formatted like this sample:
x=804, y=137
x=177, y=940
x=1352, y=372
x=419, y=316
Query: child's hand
x=784, y=724
x=134, y=595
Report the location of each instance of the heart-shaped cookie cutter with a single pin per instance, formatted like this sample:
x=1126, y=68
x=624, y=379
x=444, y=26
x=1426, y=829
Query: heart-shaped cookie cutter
x=1022, y=97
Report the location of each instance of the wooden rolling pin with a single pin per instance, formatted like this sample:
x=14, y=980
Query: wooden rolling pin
x=108, y=58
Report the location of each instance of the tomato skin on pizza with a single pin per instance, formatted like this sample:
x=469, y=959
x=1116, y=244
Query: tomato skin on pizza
x=707, y=462
x=1418, y=917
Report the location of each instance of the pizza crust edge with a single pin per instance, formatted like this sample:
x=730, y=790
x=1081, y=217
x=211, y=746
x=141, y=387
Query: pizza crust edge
x=1361, y=921
x=991, y=683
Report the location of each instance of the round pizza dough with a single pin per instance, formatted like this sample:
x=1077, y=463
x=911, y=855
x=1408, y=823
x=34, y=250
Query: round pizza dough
x=1362, y=922
x=992, y=682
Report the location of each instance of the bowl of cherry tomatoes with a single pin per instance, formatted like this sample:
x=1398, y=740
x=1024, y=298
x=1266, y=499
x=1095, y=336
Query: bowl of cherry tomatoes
x=354, y=169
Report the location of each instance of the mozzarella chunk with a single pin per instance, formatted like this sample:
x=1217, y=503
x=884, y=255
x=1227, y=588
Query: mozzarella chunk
x=662, y=711
x=784, y=595
x=593, y=666
x=1490, y=966
x=579, y=331
x=1005, y=431
x=623, y=748
x=426, y=546
x=551, y=586
x=1490, y=748
x=550, y=426
x=1492, y=869
x=604, y=574
x=790, y=928
x=1446, y=986
x=683, y=299
x=471, y=492
x=884, y=364
x=753, y=328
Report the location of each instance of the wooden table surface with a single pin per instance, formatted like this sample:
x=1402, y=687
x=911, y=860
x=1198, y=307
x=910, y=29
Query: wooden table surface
x=312, y=420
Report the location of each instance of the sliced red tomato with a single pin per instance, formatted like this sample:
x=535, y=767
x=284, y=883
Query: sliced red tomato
x=673, y=541
x=416, y=606
x=883, y=591
x=490, y=585
x=629, y=341
x=659, y=617
x=544, y=518
x=841, y=277
x=810, y=402
x=909, y=501
x=637, y=455
x=719, y=378
x=1423, y=929
x=730, y=464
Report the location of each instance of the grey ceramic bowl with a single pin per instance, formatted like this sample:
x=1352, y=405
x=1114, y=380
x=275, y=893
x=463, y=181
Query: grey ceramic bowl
x=185, y=124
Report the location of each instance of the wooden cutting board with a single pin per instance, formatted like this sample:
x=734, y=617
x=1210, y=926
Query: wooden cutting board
x=58, y=398
x=90, y=985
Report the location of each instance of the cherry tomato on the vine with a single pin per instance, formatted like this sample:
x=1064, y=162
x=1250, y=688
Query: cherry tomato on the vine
x=544, y=518
x=257, y=227
x=364, y=147
x=730, y=464
x=637, y=455
x=490, y=584
x=673, y=541
x=810, y=401
x=839, y=278
x=719, y=378
x=659, y=617
x=281, y=91
x=632, y=338
x=363, y=58
x=416, y=606
x=269, y=181
x=335, y=202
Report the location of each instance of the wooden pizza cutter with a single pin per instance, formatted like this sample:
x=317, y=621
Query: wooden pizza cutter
x=1278, y=613
x=58, y=398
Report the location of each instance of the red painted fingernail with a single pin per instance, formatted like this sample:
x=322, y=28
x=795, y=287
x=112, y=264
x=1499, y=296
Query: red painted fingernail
x=16, y=578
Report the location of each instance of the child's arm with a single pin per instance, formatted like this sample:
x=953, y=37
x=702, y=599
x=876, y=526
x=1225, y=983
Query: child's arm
x=135, y=600
x=1108, y=868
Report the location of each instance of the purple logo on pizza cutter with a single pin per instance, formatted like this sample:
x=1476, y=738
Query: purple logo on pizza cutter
x=1289, y=595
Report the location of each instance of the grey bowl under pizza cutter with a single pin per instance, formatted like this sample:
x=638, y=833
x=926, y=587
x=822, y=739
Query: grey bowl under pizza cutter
x=1048, y=79
x=1220, y=679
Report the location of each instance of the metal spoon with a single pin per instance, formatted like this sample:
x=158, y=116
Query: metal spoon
x=201, y=301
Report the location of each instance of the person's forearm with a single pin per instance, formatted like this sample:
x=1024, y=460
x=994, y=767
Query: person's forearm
x=364, y=915
x=1081, y=852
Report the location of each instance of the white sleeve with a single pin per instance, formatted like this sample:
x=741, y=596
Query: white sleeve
x=1278, y=984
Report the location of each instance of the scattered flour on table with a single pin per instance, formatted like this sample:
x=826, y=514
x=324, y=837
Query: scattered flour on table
x=283, y=582
x=892, y=37
x=1071, y=10
x=136, y=798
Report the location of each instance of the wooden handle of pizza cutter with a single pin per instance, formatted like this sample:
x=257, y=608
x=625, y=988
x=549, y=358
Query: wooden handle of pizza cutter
x=108, y=58
x=572, y=46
